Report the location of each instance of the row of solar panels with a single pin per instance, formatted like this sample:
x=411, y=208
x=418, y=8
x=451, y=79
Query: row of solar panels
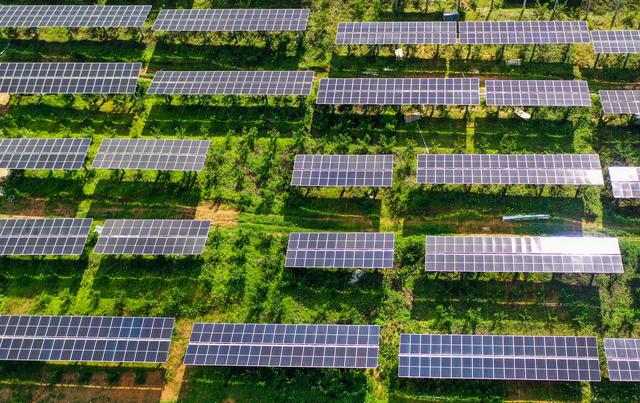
x=326, y=170
x=130, y=16
x=487, y=32
x=121, y=78
x=354, y=250
x=370, y=33
x=147, y=340
x=70, y=154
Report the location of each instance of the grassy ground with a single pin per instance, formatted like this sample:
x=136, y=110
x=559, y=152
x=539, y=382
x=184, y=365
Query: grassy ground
x=244, y=190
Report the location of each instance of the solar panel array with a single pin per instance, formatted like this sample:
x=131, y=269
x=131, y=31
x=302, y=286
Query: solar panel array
x=73, y=16
x=399, y=91
x=343, y=170
x=276, y=345
x=43, y=236
x=69, y=78
x=152, y=154
x=523, y=32
x=625, y=182
x=484, y=254
x=153, y=237
x=622, y=41
x=392, y=33
x=623, y=359
x=85, y=338
x=532, y=358
x=350, y=250
x=232, y=83
x=29, y=153
x=510, y=169
x=232, y=20
x=538, y=93
x=620, y=101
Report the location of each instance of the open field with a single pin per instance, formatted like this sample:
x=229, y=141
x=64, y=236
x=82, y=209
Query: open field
x=245, y=191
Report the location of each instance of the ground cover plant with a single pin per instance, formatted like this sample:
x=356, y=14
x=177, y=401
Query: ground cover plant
x=245, y=191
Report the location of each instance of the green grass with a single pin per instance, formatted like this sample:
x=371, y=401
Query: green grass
x=241, y=277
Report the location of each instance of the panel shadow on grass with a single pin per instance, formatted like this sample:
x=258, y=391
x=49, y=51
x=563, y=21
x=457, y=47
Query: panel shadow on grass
x=513, y=135
x=378, y=124
x=469, y=389
x=273, y=384
x=335, y=214
x=184, y=56
x=53, y=119
x=328, y=296
x=442, y=211
x=138, y=199
x=28, y=277
x=138, y=276
x=30, y=381
x=73, y=51
x=506, y=306
x=204, y=120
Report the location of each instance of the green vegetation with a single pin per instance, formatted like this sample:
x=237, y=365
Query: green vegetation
x=245, y=190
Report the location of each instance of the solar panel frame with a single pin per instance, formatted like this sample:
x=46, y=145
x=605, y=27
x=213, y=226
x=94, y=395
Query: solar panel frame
x=85, y=338
x=152, y=154
x=153, y=237
x=229, y=20
x=232, y=83
x=342, y=170
x=396, y=33
x=620, y=102
x=523, y=254
x=283, y=345
x=537, y=93
x=499, y=357
x=523, y=32
x=625, y=182
x=48, y=16
x=510, y=169
x=69, y=78
x=616, y=41
x=43, y=236
x=341, y=250
x=43, y=153
x=623, y=359
x=399, y=91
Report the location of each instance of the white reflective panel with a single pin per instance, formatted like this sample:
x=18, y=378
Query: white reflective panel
x=624, y=174
x=579, y=246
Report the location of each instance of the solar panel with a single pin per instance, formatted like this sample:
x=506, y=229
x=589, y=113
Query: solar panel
x=510, y=169
x=153, y=237
x=509, y=254
x=523, y=32
x=399, y=91
x=275, y=345
x=232, y=83
x=232, y=20
x=69, y=78
x=27, y=153
x=538, y=93
x=623, y=41
x=342, y=170
x=396, y=33
x=620, y=101
x=43, y=236
x=73, y=16
x=623, y=359
x=625, y=182
x=85, y=338
x=152, y=154
x=532, y=358
x=348, y=250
